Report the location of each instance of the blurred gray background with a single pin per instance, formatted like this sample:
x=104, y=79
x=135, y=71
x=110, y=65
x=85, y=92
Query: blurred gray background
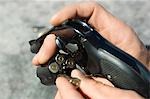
x=17, y=75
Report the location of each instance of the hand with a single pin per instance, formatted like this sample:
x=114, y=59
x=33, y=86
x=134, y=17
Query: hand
x=106, y=24
x=96, y=88
x=110, y=28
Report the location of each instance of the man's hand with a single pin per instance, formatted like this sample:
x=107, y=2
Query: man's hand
x=106, y=24
x=110, y=28
x=96, y=88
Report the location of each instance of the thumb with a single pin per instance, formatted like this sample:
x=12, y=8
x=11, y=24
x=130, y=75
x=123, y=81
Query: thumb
x=78, y=74
x=100, y=88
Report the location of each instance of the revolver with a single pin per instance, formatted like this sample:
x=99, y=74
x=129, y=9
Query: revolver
x=81, y=47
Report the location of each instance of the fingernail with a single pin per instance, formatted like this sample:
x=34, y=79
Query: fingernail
x=53, y=18
x=34, y=60
x=76, y=73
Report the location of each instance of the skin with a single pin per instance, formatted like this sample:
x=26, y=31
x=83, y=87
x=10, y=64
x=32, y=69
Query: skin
x=96, y=88
x=111, y=28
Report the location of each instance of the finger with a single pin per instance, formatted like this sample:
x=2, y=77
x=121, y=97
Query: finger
x=98, y=17
x=46, y=51
x=103, y=21
x=58, y=96
x=66, y=89
x=89, y=85
x=103, y=80
x=72, y=11
x=77, y=74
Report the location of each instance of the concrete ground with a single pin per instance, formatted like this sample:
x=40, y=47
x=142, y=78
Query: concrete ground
x=17, y=75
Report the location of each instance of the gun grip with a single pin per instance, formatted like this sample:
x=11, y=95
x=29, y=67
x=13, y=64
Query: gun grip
x=115, y=70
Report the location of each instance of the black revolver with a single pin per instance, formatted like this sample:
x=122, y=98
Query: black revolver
x=80, y=46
